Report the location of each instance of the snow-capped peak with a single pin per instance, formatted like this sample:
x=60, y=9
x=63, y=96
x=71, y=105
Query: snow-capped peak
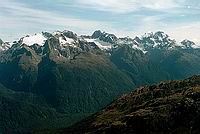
x=34, y=39
x=187, y=44
x=160, y=34
x=65, y=33
x=66, y=38
x=156, y=40
x=104, y=41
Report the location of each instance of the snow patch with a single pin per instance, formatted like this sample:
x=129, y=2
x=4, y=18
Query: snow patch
x=56, y=33
x=35, y=39
x=5, y=46
x=139, y=48
x=66, y=40
x=102, y=45
x=196, y=46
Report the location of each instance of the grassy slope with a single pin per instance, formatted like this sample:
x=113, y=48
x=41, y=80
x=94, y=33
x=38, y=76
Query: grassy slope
x=169, y=107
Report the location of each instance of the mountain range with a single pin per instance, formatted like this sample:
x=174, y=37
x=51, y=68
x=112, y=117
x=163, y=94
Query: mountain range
x=56, y=79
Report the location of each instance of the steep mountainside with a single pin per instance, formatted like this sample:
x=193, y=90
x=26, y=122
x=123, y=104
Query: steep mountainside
x=24, y=110
x=169, y=107
x=66, y=73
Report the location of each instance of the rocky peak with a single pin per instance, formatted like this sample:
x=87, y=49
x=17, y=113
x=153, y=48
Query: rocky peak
x=106, y=37
x=160, y=34
x=156, y=40
x=97, y=34
x=65, y=33
x=47, y=34
x=187, y=44
x=70, y=34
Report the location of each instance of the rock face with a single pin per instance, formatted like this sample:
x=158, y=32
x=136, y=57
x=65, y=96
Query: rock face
x=106, y=37
x=1, y=42
x=168, y=107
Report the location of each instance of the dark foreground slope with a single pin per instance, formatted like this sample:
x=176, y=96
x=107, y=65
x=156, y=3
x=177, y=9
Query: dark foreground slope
x=169, y=107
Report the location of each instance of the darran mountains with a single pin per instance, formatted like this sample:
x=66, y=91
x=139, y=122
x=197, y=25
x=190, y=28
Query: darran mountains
x=52, y=80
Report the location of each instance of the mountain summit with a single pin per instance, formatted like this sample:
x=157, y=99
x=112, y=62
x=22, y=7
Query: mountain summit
x=189, y=44
x=157, y=40
x=106, y=41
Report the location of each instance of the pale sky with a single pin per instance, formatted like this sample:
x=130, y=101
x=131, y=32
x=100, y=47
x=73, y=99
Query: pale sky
x=178, y=18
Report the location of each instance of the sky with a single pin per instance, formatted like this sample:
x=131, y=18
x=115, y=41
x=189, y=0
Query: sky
x=180, y=19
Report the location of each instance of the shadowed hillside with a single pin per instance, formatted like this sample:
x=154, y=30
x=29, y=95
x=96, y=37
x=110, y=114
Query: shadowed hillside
x=168, y=107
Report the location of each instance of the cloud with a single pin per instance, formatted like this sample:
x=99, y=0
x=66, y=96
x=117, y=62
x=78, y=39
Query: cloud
x=19, y=17
x=23, y=12
x=185, y=31
x=121, y=17
x=119, y=6
x=124, y=6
